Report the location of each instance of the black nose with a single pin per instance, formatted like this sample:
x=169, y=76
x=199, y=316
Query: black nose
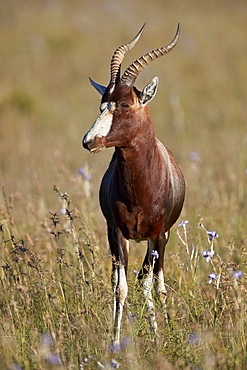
x=87, y=144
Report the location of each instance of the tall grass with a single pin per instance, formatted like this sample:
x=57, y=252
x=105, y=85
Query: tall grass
x=55, y=293
x=56, y=301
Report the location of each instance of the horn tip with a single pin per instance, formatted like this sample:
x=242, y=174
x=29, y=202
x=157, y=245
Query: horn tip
x=140, y=32
x=144, y=25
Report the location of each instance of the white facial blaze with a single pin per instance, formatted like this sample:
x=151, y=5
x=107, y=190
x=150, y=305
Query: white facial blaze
x=102, y=125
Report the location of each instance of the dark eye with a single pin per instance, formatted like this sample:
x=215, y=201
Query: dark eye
x=124, y=105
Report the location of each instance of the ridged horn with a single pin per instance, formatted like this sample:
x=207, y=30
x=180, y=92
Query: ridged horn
x=119, y=55
x=139, y=64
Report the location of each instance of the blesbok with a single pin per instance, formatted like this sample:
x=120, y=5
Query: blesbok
x=142, y=191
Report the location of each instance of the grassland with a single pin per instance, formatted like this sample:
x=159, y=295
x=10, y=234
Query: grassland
x=55, y=293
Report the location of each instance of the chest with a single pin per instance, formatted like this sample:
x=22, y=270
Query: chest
x=135, y=223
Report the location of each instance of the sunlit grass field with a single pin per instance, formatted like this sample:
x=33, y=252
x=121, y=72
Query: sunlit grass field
x=55, y=293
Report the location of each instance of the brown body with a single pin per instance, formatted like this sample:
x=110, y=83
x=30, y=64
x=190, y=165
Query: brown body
x=142, y=192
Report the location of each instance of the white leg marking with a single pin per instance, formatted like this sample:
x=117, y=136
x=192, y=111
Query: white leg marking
x=147, y=291
x=121, y=292
x=120, y=289
x=160, y=288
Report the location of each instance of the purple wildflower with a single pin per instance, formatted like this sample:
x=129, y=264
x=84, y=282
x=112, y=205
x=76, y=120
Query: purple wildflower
x=80, y=171
x=114, y=348
x=237, y=274
x=212, y=277
x=155, y=254
x=193, y=338
x=47, y=340
x=54, y=359
x=115, y=364
x=15, y=367
x=212, y=235
x=208, y=255
x=63, y=211
x=183, y=223
x=194, y=156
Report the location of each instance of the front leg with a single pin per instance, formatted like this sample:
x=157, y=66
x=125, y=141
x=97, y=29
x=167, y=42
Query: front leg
x=120, y=250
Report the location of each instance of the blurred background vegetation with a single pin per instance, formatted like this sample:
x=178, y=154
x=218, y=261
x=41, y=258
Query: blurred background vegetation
x=49, y=49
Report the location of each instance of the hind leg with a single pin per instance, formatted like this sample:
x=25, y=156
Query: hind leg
x=153, y=268
x=147, y=276
x=160, y=288
x=119, y=249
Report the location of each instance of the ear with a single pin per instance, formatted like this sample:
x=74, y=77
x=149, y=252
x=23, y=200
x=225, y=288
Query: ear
x=101, y=89
x=149, y=91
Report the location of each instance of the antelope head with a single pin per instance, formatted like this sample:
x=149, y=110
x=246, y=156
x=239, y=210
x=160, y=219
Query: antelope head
x=122, y=105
